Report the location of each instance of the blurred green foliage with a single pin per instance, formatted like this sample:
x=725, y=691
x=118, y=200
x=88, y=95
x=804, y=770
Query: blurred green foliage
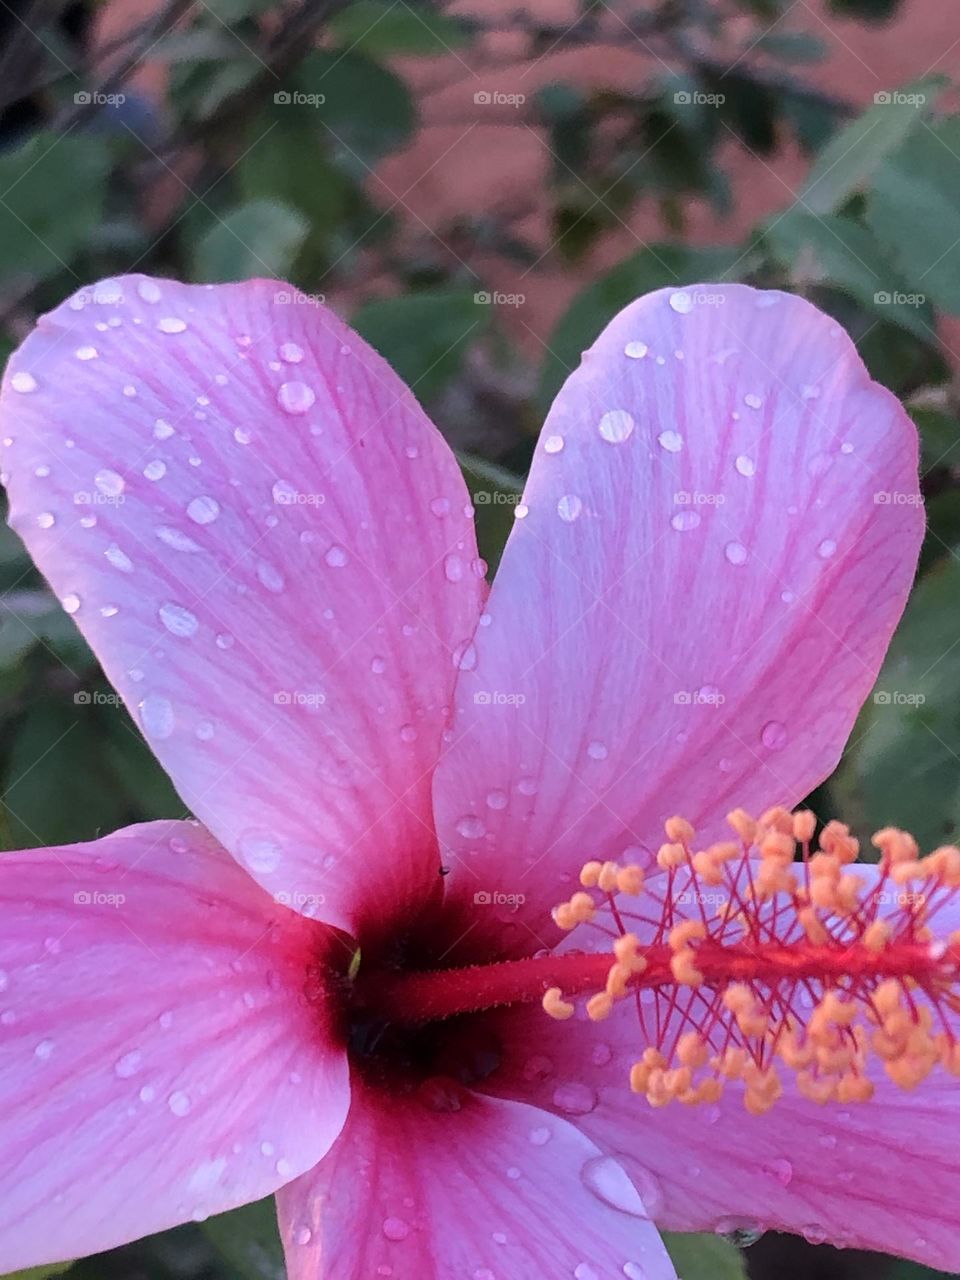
x=259, y=159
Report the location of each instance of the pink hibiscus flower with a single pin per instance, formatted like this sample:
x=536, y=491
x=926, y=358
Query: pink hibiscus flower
x=399, y=775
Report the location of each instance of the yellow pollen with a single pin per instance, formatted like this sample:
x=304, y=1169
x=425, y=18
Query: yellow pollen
x=791, y=960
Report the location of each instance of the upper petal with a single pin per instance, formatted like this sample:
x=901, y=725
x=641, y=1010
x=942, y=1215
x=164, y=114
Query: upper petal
x=717, y=538
x=266, y=542
x=479, y=1187
x=157, y=1058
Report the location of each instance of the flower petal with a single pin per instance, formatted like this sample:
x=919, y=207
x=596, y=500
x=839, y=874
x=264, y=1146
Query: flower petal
x=721, y=527
x=266, y=543
x=157, y=1059
x=485, y=1189
x=879, y=1175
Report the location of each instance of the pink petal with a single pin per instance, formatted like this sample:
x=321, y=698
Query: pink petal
x=280, y=572
x=880, y=1175
x=483, y=1190
x=698, y=600
x=158, y=1061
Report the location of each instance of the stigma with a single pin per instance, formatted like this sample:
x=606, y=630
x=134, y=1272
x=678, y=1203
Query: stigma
x=770, y=954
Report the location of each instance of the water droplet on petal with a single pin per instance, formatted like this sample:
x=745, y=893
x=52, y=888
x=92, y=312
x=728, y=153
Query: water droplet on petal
x=752, y=401
x=616, y=426
x=118, y=558
x=781, y=1170
x=87, y=353
x=672, y=441
x=453, y=568
x=605, y=1178
x=395, y=1229
x=290, y=353
x=110, y=484
x=270, y=577
x=553, y=444
x=597, y=751
x=129, y=1064
x=179, y=1103
x=746, y=466
x=568, y=507
x=155, y=469
x=149, y=290
x=635, y=350
x=735, y=552
x=681, y=302
x=178, y=620
x=174, y=538
x=296, y=397
x=684, y=520
x=470, y=827
x=260, y=850
x=44, y=1050
x=826, y=548
x=162, y=430
x=574, y=1098
x=70, y=602
x=171, y=324
x=203, y=510
x=540, y=1137
x=23, y=382
x=774, y=735
x=440, y=507
x=156, y=716
x=497, y=799
x=336, y=557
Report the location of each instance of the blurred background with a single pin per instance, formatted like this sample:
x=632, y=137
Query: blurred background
x=478, y=187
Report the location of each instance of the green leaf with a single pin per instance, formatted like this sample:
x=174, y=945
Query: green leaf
x=904, y=749
x=914, y=210
x=379, y=27
x=260, y=238
x=495, y=493
x=56, y=786
x=424, y=336
x=704, y=1257
x=656, y=267
x=248, y=1238
x=368, y=110
x=835, y=250
x=852, y=157
x=53, y=192
x=901, y=1270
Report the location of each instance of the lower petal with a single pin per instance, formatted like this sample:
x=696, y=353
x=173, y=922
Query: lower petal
x=481, y=1188
x=158, y=1061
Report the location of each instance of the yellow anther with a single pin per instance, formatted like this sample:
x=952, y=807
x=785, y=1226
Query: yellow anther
x=599, y=1006
x=777, y=819
x=708, y=867
x=804, y=825
x=738, y=997
x=812, y=926
x=618, y=976
x=630, y=880
x=590, y=873
x=835, y=838
x=896, y=845
x=877, y=935
x=692, y=1050
x=607, y=879
x=683, y=966
x=743, y=825
x=555, y=1005
x=778, y=845
x=670, y=856
x=821, y=1089
x=854, y=1088
x=683, y=934
x=679, y=830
